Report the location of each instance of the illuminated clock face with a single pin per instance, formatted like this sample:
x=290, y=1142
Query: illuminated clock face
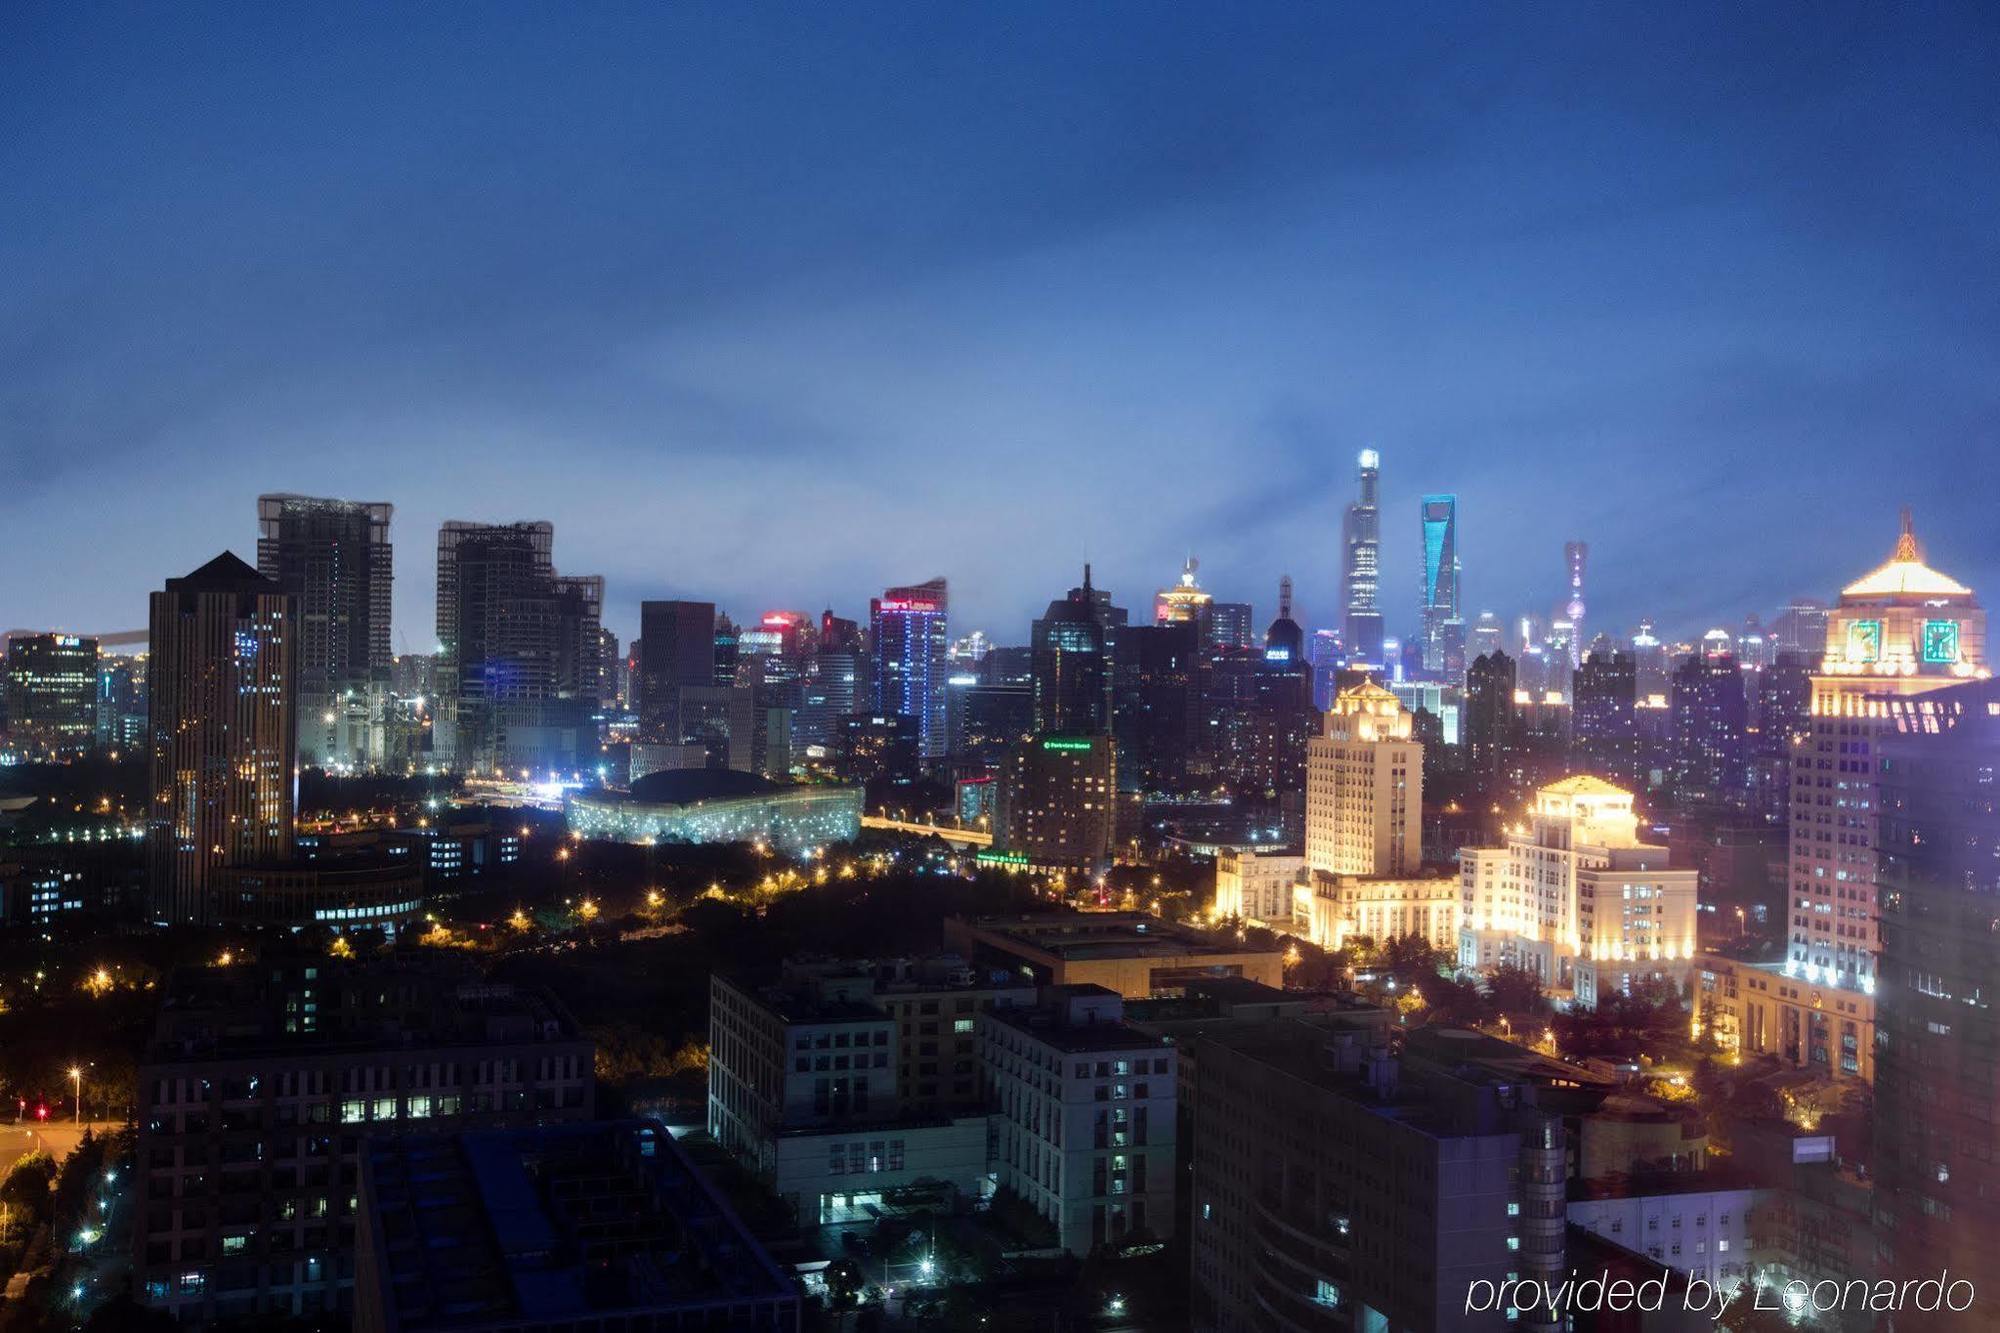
x=1864, y=641
x=1940, y=641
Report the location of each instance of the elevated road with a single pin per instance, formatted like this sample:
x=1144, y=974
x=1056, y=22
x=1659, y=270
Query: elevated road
x=963, y=837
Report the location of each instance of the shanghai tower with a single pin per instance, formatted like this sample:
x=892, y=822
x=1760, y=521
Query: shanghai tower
x=1361, y=544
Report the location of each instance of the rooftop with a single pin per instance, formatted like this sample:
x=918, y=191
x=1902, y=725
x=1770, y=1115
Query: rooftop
x=1905, y=575
x=498, y=1228
x=256, y=1008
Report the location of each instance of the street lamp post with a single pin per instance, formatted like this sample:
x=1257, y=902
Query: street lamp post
x=76, y=1077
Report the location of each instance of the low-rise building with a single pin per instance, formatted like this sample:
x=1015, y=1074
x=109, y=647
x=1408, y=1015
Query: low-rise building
x=1761, y=1009
x=1083, y=1117
x=1698, y=1224
x=560, y=1229
x=1135, y=955
x=803, y=1089
x=264, y=1085
x=1256, y=886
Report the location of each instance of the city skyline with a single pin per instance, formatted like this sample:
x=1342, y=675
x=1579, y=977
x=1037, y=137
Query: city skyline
x=1741, y=301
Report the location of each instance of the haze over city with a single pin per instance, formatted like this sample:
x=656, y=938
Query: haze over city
x=776, y=308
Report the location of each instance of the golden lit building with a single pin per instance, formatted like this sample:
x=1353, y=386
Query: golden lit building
x=1903, y=629
x=1756, y=1009
x=1185, y=602
x=1364, y=829
x=1575, y=897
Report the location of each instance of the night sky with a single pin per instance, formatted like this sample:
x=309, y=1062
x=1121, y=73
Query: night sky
x=774, y=305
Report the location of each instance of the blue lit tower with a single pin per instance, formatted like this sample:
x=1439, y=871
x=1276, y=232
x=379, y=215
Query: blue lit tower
x=907, y=634
x=1443, y=623
x=1361, y=547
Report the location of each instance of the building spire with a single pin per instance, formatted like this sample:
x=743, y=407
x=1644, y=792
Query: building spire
x=1086, y=580
x=1285, y=597
x=1906, y=543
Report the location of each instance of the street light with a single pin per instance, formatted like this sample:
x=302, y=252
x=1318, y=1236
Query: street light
x=76, y=1077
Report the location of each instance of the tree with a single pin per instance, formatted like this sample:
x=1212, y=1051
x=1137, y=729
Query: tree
x=28, y=1186
x=844, y=1281
x=1516, y=992
x=1410, y=959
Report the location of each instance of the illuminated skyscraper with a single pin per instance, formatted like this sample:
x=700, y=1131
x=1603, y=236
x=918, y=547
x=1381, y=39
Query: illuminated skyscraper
x=907, y=631
x=1072, y=664
x=516, y=644
x=51, y=695
x=334, y=559
x=223, y=732
x=1442, y=615
x=1184, y=601
x=1361, y=546
x=1903, y=630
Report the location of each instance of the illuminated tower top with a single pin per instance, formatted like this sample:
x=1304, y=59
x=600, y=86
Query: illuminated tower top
x=1905, y=619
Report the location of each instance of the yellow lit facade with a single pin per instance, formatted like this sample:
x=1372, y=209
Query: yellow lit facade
x=1756, y=1009
x=1574, y=896
x=1900, y=630
x=1364, y=829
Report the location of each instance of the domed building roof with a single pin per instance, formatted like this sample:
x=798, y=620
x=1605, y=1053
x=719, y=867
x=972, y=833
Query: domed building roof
x=1905, y=577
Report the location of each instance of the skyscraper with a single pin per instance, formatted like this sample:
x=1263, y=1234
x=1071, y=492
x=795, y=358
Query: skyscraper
x=334, y=559
x=1904, y=629
x=1709, y=731
x=1492, y=721
x=1604, y=720
x=51, y=695
x=676, y=649
x=907, y=630
x=1058, y=803
x=1361, y=542
x=512, y=640
x=223, y=732
x=1441, y=613
x=1936, y=1087
x=1184, y=601
x=1072, y=664
x=1156, y=708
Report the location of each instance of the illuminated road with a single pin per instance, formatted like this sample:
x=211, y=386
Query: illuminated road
x=963, y=836
x=53, y=1137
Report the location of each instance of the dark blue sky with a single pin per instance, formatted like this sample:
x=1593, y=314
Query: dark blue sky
x=776, y=304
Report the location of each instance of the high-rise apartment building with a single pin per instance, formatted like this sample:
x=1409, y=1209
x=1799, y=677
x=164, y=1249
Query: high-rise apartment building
x=1603, y=716
x=1441, y=614
x=1709, y=730
x=335, y=560
x=515, y=643
x=1492, y=722
x=907, y=631
x=1361, y=548
x=51, y=696
x=1073, y=664
x=222, y=732
x=1364, y=829
x=1576, y=898
x=1905, y=629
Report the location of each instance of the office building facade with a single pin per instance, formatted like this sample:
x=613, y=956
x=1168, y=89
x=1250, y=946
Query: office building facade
x=335, y=560
x=50, y=687
x=222, y=733
x=908, y=634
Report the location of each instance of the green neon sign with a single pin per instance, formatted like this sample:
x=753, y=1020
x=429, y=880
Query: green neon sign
x=1066, y=745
